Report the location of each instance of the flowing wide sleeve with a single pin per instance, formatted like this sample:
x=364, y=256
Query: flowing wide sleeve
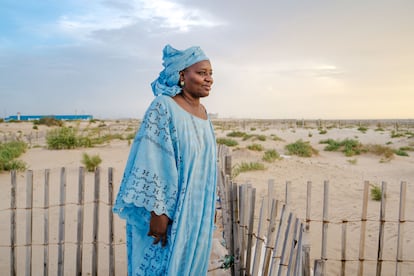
x=150, y=180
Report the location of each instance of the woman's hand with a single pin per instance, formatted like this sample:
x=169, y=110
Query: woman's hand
x=158, y=228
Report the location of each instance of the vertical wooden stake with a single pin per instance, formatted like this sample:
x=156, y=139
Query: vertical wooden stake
x=46, y=224
x=381, y=229
x=259, y=238
x=325, y=223
x=13, y=259
x=111, y=222
x=343, y=247
x=81, y=197
x=252, y=204
x=401, y=223
x=95, y=229
x=363, y=229
x=29, y=221
x=61, y=238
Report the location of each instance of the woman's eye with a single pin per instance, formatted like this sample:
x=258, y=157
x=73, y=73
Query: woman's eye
x=204, y=74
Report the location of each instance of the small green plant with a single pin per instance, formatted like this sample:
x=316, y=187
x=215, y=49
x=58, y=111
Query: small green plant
x=271, y=156
x=349, y=147
x=255, y=147
x=261, y=137
x=91, y=162
x=322, y=131
x=301, y=148
x=376, y=192
x=9, y=152
x=363, y=129
x=276, y=138
x=227, y=142
x=61, y=138
x=400, y=152
x=396, y=134
x=48, y=121
x=236, y=134
x=245, y=167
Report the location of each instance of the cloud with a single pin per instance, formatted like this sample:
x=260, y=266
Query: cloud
x=148, y=15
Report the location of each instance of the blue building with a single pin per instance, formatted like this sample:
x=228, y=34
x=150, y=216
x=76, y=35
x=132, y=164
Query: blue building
x=20, y=117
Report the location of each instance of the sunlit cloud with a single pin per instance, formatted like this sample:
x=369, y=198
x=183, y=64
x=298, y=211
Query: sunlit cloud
x=149, y=14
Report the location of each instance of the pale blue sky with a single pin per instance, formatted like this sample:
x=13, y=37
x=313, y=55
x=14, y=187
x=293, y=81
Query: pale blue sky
x=271, y=59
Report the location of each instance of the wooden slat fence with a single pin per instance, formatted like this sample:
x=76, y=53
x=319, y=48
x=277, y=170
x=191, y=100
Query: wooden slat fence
x=62, y=241
x=276, y=242
x=264, y=235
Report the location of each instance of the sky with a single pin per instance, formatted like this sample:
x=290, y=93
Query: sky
x=291, y=59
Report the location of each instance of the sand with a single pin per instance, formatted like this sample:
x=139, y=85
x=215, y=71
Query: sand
x=346, y=176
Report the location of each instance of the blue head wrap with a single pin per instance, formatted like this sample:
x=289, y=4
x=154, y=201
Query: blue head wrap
x=175, y=61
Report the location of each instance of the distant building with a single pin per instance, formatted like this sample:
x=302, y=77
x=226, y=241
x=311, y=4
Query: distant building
x=20, y=117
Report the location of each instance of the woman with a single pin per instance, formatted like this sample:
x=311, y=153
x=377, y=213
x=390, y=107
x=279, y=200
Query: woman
x=167, y=194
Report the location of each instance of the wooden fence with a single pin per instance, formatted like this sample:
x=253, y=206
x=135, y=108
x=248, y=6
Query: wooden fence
x=271, y=240
x=63, y=245
x=278, y=242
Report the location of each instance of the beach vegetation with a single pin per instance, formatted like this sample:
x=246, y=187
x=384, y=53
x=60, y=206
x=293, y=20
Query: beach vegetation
x=261, y=137
x=349, y=147
x=301, y=148
x=247, y=136
x=271, y=156
x=252, y=128
x=385, y=151
x=276, y=138
x=362, y=129
x=322, y=131
x=227, y=141
x=400, y=152
x=61, y=138
x=9, y=152
x=396, y=134
x=239, y=134
x=255, y=147
x=247, y=167
x=376, y=192
x=91, y=162
x=48, y=121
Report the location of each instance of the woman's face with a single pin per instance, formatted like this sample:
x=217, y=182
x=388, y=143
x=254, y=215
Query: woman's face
x=198, y=79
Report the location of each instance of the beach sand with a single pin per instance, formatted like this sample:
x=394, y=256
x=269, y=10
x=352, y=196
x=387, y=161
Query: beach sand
x=346, y=176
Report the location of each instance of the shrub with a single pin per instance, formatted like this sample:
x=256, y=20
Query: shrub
x=9, y=152
x=276, y=138
x=381, y=150
x=322, y=131
x=255, y=147
x=349, y=147
x=400, y=152
x=245, y=167
x=270, y=156
x=236, y=134
x=376, y=193
x=363, y=129
x=227, y=142
x=91, y=162
x=61, y=138
x=48, y=121
x=261, y=137
x=301, y=148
